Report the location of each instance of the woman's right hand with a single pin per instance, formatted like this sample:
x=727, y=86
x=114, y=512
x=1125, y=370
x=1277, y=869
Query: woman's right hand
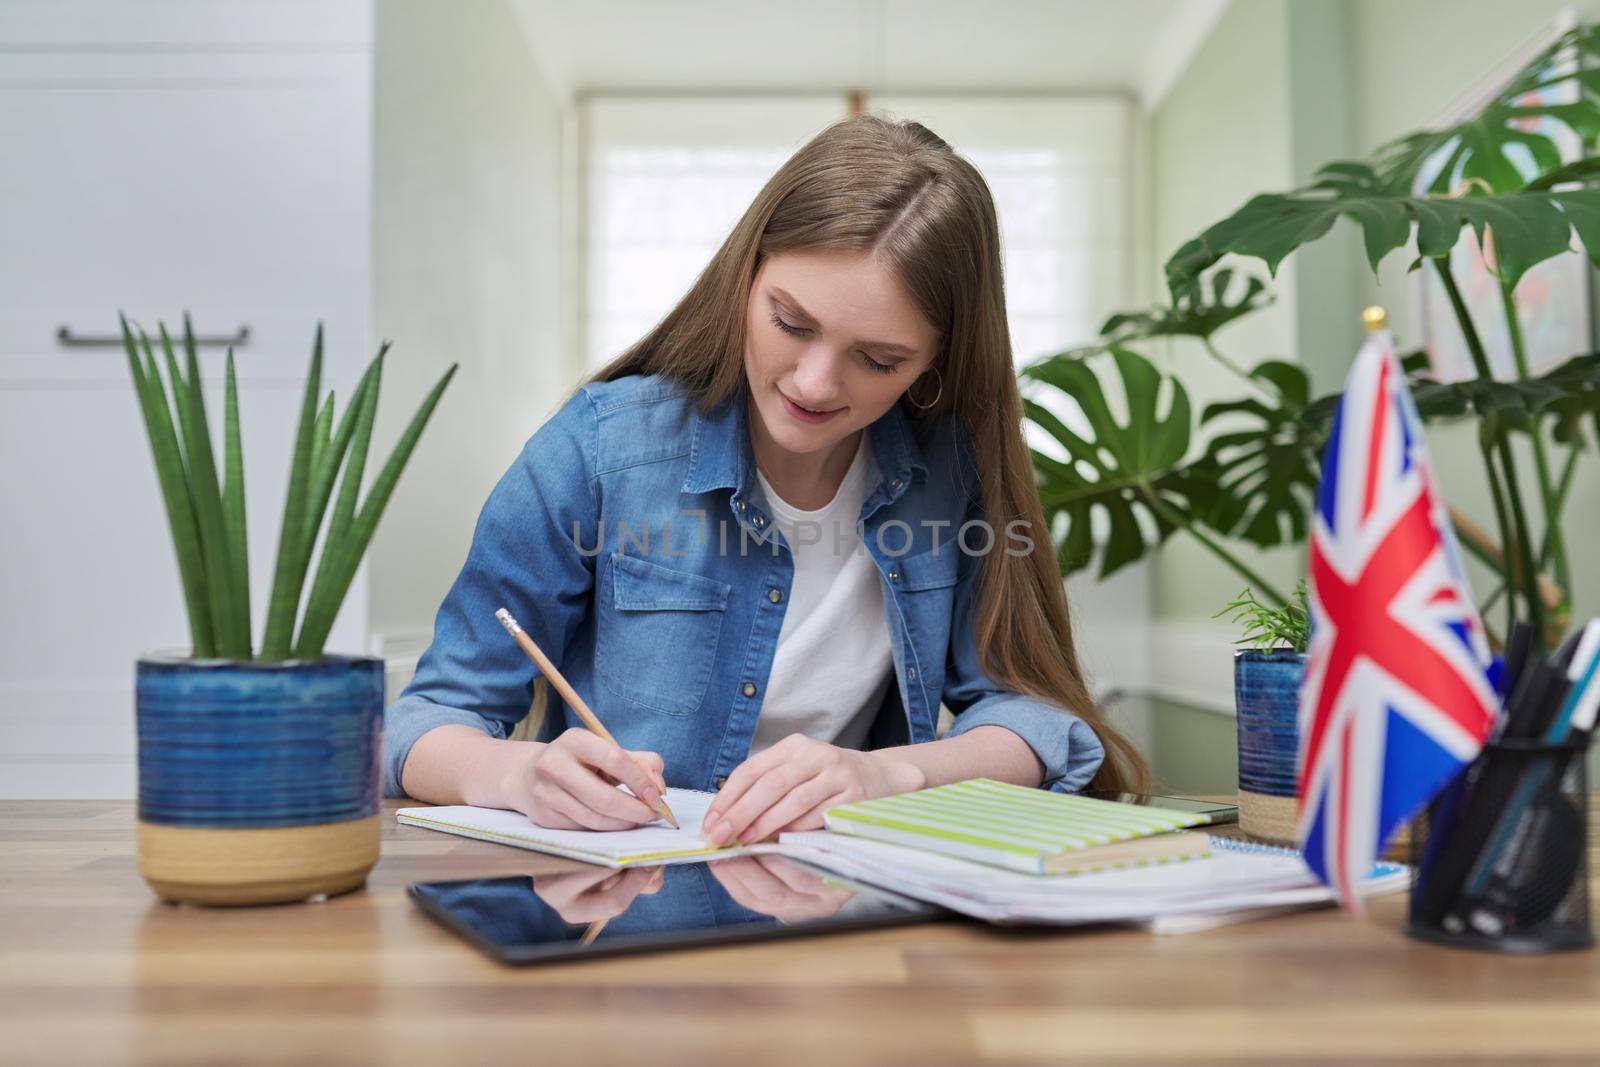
x=571, y=784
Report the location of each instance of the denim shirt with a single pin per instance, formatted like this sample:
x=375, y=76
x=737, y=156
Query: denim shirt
x=632, y=540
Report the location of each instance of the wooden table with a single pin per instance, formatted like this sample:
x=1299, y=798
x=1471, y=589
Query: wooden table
x=94, y=970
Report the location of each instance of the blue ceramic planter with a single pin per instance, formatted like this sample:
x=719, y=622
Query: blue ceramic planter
x=1266, y=688
x=258, y=781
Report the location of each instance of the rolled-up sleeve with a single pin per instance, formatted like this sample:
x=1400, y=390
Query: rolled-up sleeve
x=413, y=715
x=525, y=557
x=1066, y=745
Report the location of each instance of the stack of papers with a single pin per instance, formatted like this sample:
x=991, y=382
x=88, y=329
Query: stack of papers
x=1239, y=875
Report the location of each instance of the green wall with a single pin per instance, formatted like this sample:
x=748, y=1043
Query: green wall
x=1191, y=751
x=1222, y=132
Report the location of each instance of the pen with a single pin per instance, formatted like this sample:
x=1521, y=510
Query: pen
x=1581, y=679
x=574, y=701
x=1567, y=702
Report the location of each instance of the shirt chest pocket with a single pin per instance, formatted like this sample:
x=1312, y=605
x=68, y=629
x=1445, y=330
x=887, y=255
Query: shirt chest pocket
x=658, y=633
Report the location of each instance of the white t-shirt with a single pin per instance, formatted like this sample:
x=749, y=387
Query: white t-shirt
x=833, y=661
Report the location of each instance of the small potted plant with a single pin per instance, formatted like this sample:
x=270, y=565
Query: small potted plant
x=259, y=767
x=1266, y=693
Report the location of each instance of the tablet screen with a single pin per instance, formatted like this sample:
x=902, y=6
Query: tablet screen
x=598, y=911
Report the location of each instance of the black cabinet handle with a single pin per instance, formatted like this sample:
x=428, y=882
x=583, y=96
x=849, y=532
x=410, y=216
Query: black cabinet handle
x=68, y=339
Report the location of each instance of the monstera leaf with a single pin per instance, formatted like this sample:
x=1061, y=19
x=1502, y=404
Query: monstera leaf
x=1579, y=382
x=1530, y=225
x=1120, y=469
x=1566, y=393
x=1505, y=151
x=1199, y=313
x=1501, y=145
x=1268, y=470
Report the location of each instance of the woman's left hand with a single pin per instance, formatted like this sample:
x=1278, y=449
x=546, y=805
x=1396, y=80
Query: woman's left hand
x=790, y=785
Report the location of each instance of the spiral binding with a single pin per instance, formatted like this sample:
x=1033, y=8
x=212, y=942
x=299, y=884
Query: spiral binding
x=1380, y=869
x=1235, y=844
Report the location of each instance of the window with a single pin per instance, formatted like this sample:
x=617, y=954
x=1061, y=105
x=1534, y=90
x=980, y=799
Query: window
x=667, y=177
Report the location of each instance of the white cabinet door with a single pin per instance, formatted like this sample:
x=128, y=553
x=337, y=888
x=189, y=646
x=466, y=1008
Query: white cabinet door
x=90, y=582
x=235, y=186
x=194, y=25
x=194, y=157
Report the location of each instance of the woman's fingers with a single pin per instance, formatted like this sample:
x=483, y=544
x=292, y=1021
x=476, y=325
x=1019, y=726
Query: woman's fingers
x=787, y=808
x=766, y=791
x=571, y=783
x=597, y=799
x=581, y=815
x=742, y=778
x=758, y=783
x=602, y=755
x=654, y=765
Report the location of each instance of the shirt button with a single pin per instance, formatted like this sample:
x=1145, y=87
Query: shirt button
x=895, y=484
x=774, y=595
x=720, y=782
x=748, y=689
x=760, y=520
x=739, y=504
x=911, y=672
x=894, y=575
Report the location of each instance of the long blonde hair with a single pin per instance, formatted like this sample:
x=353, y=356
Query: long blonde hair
x=899, y=192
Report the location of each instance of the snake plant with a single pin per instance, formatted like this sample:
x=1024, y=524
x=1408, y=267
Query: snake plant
x=207, y=519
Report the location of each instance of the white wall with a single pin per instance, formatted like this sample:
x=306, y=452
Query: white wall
x=465, y=268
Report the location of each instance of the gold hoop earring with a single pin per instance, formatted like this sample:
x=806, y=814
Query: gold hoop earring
x=936, y=396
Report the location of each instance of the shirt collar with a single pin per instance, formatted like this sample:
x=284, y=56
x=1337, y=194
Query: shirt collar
x=720, y=456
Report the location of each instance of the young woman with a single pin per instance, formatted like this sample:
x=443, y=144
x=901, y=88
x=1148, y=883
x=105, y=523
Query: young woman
x=771, y=538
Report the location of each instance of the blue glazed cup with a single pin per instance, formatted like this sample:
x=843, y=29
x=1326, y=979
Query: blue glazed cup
x=258, y=782
x=1266, y=689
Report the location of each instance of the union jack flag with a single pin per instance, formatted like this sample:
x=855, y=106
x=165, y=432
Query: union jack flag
x=1397, y=696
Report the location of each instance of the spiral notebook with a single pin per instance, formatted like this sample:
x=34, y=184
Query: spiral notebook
x=643, y=846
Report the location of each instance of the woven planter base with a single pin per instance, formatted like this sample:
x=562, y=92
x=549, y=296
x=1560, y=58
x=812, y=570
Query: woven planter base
x=271, y=865
x=1266, y=817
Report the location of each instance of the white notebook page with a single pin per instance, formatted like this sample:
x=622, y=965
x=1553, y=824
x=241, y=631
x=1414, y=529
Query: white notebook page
x=653, y=843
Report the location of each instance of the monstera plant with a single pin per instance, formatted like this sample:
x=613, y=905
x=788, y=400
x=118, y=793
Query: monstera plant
x=1246, y=469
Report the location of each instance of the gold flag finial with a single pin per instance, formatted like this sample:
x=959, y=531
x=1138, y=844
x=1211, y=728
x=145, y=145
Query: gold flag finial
x=1374, y=318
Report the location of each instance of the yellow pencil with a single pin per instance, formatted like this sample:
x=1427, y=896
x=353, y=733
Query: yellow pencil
x=571, y=696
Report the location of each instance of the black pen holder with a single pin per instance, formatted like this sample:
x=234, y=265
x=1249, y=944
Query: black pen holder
x=1503, y=854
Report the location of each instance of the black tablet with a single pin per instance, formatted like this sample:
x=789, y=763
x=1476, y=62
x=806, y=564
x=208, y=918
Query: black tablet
x=598, y=911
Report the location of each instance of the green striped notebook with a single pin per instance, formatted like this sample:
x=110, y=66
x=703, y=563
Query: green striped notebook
x=1024, y=829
